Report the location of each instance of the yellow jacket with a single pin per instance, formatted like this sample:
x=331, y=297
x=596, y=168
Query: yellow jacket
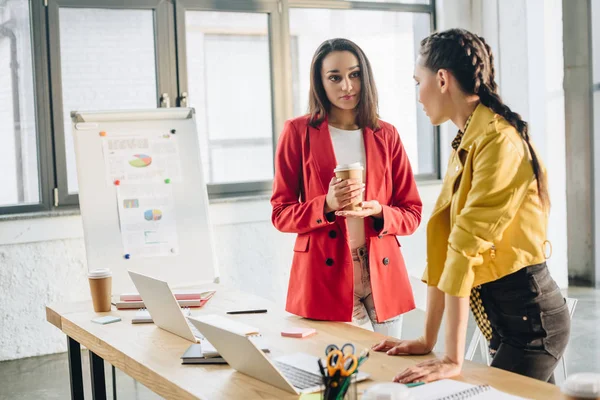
x=488, y=221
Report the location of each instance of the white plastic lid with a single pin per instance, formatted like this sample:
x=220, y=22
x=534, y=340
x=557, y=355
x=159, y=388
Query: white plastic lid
x=99, y=273
x=347, y=167
x=388, y=391
x=585, y=385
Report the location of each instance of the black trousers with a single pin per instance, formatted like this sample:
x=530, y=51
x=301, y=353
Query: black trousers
x=530, y=321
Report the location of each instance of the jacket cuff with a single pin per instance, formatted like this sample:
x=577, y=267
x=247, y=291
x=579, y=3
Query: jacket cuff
x=458, y=275
x=322, y=219
x=379, y=224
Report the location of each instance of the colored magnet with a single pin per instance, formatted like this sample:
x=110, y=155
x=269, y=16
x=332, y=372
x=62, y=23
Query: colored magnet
x=127, y=256
x=167, y=180
x=117, y=182
x=102, y=133
x=173, y=131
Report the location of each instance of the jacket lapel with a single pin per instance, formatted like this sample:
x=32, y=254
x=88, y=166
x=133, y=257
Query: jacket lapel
x=376, y=162
x=480, y=120
x=322, y=154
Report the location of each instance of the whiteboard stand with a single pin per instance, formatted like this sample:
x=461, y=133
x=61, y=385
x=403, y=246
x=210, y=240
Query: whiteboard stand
x=194, y=262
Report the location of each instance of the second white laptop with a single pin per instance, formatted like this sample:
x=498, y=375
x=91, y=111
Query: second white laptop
x=295, y=373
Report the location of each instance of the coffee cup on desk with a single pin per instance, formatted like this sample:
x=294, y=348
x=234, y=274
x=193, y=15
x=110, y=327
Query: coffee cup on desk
x=101, y=288
x=351, y=171
x=582, y=386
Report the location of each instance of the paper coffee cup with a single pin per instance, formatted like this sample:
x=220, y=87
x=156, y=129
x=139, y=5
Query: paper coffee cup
x=101, y=288
x=582, y=386
x=351, y=171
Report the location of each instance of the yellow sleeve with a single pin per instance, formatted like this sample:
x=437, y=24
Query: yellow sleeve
x=501, y=177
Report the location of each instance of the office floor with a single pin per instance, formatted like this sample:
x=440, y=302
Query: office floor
x=47, y=377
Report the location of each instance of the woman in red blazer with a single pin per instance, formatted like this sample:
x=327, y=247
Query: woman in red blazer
x=347, y=265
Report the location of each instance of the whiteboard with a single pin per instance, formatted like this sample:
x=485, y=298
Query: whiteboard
x=194, y=261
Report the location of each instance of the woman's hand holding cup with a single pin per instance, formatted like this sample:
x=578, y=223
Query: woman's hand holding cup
x=343, y=193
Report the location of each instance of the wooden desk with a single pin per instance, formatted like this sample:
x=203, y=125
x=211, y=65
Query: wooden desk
x=151, y=355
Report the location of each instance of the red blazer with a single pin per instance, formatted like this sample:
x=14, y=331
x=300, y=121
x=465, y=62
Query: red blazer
x=322, y=277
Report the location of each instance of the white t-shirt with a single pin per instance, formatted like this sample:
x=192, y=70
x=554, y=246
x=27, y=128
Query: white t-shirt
x=349, y=147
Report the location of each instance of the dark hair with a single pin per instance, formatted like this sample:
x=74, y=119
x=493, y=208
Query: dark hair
x=471, y=61
x=318, y=103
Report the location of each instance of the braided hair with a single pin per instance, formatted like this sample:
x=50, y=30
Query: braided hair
x=471, y=61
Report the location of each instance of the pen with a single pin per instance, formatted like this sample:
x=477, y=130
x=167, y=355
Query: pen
x=413, y=384
x=261, y=311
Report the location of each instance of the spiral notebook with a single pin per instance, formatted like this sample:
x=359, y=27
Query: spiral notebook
x=448, y=389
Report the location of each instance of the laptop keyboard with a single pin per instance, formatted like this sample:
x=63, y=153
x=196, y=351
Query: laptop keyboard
x=300, y=378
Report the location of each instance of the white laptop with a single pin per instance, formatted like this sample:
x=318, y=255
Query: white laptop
x=163, y=307
x=295, y=373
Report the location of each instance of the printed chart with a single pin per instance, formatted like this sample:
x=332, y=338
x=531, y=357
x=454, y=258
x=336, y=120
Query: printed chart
x=140, y=159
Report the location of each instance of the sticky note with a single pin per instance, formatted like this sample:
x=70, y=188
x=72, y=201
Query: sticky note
x=107, y=319
x=311, y=396
x=298, y=332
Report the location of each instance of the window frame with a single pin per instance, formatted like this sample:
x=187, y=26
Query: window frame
x=171, y=71
x=279, y=100
x=43, y=127
x=391, y=7
x=165, y=75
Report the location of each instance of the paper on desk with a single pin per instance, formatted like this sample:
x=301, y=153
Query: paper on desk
x=147, y=220
x=447, y=387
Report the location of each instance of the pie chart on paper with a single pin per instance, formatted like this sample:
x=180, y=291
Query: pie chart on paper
x=153, y=215
x=140, y=161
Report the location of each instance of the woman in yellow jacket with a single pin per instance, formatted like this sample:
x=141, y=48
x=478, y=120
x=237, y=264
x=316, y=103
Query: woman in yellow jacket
x=487, y=234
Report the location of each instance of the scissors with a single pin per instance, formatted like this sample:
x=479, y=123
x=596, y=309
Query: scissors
x=332, y=347
x=346, y=364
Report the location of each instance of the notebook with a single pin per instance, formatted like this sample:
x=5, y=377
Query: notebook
x=124, y=305
x=194, y=355
x=142, y=316
x=448, y=389
x=179, y=295
x=205, y=353
x=209, y=351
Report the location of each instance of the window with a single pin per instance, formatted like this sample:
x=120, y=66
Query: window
x=229, y=85
x=19, y=163
x=596, y=71
x=107, y=63
x=399, y=1
x=390, y=40
x=596, y=44
x=243, y=65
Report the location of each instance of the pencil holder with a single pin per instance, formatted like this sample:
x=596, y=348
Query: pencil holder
x=347, y=390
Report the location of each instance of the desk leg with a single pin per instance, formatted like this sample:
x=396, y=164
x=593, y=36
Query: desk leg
x=75, y=370
x=114, y=379
x=97, y=374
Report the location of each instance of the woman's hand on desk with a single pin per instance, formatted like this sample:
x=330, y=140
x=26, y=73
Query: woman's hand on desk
x=403, y=347
x=369, y=209
x=429, y=371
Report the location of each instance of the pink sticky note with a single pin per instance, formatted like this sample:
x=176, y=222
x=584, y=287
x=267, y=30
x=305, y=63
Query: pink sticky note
x=298, y=332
